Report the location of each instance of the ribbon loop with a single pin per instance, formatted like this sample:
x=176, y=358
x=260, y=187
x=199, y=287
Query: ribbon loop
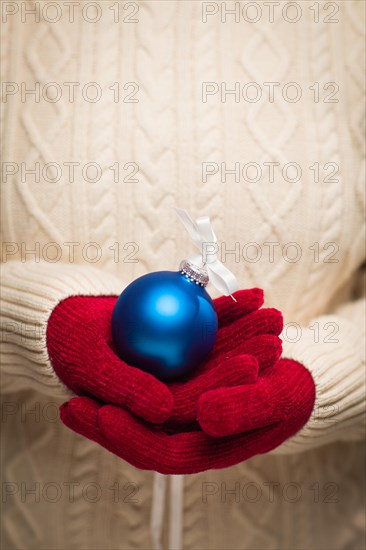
x=204, y=238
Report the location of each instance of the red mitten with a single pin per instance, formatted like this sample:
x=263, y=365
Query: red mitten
x=247, y=341
x=79, y=344
x=284, y=394
x=278, y=410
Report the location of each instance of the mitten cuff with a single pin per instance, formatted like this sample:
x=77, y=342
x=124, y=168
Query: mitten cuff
x=332, y=350
x=30, y=291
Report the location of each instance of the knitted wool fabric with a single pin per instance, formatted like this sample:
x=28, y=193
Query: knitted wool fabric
x=306, y=493
x=265, y=414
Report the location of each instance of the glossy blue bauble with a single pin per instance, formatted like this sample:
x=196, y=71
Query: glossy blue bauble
x=164, y=324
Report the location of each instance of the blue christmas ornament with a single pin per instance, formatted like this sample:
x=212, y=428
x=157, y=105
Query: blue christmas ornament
x=165, y=322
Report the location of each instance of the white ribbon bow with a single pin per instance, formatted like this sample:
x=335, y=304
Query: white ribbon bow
x=203, y=236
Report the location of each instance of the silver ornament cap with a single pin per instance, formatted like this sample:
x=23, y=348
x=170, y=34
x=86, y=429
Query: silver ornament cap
x=194, y=273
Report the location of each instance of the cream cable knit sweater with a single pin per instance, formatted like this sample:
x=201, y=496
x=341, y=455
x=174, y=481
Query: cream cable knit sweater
x=61, y=491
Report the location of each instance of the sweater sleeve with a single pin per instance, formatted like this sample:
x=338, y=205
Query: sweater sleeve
x=332, y=348
x=29, y=293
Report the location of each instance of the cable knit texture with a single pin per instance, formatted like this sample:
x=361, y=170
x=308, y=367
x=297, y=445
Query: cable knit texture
x=168, y=134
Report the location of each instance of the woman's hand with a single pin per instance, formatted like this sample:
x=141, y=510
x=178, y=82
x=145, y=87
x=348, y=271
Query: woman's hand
x=247, y=342
x=261, y=415
x=79, y=344
x=241, y=401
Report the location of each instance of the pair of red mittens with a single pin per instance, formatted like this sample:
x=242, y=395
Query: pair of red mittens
x=242, y=401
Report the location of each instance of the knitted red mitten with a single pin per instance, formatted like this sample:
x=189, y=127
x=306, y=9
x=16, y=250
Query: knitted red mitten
x=283, y=395
x=279, y=406
x=247, y=342
x=80, y=348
